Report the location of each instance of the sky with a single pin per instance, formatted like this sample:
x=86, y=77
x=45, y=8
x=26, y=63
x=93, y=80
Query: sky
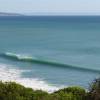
x=51, y=7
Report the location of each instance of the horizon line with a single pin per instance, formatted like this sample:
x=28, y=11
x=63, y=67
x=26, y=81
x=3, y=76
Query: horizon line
x=49, y=14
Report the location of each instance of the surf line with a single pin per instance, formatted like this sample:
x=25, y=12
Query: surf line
x=17, y=57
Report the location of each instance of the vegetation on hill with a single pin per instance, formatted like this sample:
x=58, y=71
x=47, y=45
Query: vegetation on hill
x=14, y=91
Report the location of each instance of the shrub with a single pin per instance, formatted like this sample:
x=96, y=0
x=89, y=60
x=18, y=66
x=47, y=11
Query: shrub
x=94, y=91
x=14, y=91
x=72, y=93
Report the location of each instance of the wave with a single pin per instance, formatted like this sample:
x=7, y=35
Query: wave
x=17, y=57
x=9, y=73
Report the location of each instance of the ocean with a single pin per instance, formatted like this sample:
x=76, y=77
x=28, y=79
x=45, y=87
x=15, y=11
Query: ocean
x=50, y=52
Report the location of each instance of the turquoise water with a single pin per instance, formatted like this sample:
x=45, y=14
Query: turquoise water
x=50, y=52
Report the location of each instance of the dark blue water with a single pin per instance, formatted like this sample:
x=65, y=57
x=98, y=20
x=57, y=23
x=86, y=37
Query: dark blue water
x=72, y=42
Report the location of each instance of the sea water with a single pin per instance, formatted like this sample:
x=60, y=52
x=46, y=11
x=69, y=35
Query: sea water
x=50, y=52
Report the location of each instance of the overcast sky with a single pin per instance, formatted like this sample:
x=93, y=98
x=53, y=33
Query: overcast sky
x=66, y=7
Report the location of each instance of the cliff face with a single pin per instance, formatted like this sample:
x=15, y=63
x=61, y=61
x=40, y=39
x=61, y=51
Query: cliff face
x=9, y=14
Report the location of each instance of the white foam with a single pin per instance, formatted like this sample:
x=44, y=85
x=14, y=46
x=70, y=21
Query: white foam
x=8, y=73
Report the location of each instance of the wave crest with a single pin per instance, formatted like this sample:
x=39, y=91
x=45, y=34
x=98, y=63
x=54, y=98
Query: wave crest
x=17, y=57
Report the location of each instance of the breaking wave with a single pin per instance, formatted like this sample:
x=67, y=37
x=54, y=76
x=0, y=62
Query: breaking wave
x=17, y=57
x=9, y=73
